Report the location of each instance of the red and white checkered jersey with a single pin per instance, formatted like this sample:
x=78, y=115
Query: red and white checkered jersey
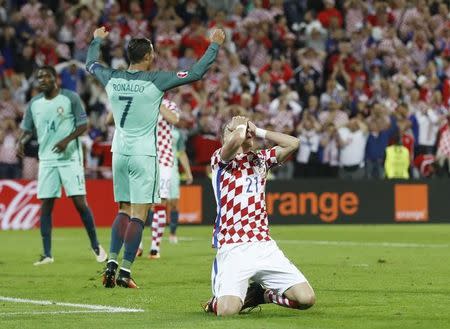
x=239, y=187
x=164, y=140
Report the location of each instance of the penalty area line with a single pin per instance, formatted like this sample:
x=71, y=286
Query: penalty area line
x=88, y=307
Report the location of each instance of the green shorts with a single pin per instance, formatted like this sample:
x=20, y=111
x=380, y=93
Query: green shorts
x=135, y=178
x=70, y=176
x=175, y=184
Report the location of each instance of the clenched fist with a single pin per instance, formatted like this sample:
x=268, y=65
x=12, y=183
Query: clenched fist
x=101, y=32
x=218, y=36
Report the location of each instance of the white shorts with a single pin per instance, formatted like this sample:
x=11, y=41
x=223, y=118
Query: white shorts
x=262, y=262
x=165, y=179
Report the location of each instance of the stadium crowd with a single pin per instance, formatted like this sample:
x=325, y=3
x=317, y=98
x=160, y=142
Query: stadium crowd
x=346, y=77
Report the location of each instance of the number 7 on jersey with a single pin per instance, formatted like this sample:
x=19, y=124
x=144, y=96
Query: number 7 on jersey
x=129, y=100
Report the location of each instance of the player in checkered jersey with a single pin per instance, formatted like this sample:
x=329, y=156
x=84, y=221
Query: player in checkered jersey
x=169, y=116
x=245, y=250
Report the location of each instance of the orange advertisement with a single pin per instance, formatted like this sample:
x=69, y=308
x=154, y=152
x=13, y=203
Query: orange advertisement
x=411, y=202
x=190, y=204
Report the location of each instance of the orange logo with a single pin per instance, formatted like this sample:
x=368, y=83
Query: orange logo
x=190, y=205
x=327, y=206
x=411, y=202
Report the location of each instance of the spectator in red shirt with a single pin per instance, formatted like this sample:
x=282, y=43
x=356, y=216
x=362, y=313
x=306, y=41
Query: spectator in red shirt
x=330, y=13
x=195, y=38
x=279, y=70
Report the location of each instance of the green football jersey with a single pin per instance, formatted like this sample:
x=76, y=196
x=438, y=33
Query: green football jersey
x=53, y=120
x=136, y=96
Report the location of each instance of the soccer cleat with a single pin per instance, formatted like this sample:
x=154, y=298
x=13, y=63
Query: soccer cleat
x=126, y=282
x=208, y=306
x=44, y=260
x=254, y=297
x=101, y=256
x=109, y=278
x=154, y=254
x=173, y=239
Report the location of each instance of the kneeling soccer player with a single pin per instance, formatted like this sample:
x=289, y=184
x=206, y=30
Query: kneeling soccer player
x=241, y=234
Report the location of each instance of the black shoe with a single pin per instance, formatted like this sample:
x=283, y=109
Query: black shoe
x=126, y=282
x=254, y=296
x=109, y=277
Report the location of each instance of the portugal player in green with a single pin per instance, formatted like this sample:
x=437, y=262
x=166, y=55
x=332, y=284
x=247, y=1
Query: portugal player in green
x=135, y=96
x=58, y=118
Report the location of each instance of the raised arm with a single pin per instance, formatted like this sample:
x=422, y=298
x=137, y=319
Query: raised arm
x=285, y=144
x=234, y=137
x=168, y=80
x=184, y=161
x=102, y=73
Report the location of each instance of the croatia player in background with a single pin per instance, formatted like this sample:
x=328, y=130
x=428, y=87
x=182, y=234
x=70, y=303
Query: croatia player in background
x=59, y=119
x=245, y=250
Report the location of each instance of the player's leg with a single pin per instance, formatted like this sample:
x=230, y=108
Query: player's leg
x=160, y=211
x=118, y=229
x=158, y=226
x=174, y=216
x=49, y=188
x=46, y=231
x=72, y=178
x=173, y=205
x=132, y=238
x=230, y=273
x=284, y=284
x=88, y=221
x=122, y=197
x=300, y=296
x=144, y=191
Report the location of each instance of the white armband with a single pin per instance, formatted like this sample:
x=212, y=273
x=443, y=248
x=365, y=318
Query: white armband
x=261, y=133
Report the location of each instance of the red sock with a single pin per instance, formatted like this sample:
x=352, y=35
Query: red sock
x=272, y=297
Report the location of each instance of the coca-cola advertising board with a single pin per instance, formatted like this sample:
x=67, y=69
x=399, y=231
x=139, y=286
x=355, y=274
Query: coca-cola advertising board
x=20, y=208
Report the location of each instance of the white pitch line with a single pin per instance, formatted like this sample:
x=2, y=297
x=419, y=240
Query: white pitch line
x=93, y=308
x=365, y=244
x=55, y=312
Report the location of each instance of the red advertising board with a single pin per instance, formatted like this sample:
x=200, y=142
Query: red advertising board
x=19, y=206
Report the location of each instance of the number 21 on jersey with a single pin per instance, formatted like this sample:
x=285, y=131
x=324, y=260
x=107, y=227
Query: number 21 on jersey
x=251, y=184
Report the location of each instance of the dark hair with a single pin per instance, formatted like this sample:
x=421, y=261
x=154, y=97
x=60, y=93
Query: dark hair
x=49, y=69
x=138, y=48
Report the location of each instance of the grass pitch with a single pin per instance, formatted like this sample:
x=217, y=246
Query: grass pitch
x=390, y=276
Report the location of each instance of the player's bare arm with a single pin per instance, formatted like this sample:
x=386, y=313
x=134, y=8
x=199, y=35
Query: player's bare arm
x=24, y=137
x=170, y=116
x=286, y=144
x=184, y=161
x=234, y=137
x=62, y=145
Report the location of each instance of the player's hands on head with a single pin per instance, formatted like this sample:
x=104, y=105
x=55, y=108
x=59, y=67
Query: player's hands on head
x=237, y=121
x=251, y=128
x=101, y=32
x=218, y=36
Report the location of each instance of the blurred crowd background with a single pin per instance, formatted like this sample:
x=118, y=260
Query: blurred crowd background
x=347, y=77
